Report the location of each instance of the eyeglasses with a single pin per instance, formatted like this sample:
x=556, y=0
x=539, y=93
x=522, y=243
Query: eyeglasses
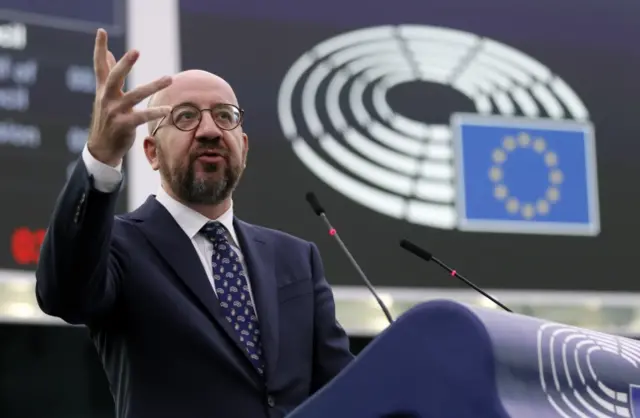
x=187, y=117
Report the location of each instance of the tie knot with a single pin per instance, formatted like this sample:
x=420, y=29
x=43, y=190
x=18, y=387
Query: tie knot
x=215, y=231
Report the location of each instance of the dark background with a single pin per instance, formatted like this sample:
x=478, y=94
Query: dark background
x=55, y=372
x=32, y=178
x=103, y=12
x=589, y=44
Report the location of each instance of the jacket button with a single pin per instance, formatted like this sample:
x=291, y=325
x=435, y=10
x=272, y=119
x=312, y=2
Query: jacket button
x=270, y=401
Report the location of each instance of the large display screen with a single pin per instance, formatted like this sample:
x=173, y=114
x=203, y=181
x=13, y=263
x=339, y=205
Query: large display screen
x=499, y=135
x=47, y=88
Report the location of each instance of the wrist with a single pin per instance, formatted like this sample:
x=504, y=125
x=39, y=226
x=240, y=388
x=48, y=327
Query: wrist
x=104, y=156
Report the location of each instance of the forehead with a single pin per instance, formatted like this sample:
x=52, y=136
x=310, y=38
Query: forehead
x=201, y=90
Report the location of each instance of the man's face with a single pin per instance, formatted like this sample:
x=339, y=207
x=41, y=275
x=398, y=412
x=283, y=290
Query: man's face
x=203, y=165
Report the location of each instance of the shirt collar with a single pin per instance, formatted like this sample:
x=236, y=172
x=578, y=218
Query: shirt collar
x=191, y=221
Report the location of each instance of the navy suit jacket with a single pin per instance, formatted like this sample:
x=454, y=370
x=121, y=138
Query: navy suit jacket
x=137, y=283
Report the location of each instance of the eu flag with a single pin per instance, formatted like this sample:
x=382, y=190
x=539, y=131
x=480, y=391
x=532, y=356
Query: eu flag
x=524, y=175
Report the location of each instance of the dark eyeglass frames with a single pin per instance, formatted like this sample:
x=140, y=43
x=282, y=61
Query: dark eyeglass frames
x=187, y=117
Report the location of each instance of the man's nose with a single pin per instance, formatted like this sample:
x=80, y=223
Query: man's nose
x=207, y=127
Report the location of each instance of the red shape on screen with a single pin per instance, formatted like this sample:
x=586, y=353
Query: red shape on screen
x=25, y=245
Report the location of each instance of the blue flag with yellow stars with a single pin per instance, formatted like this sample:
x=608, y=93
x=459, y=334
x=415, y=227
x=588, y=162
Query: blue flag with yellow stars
x=523, y=175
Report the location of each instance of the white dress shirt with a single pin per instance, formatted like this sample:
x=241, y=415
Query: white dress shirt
x=107, y=179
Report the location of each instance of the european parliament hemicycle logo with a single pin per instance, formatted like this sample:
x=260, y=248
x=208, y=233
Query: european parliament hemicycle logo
x=572, y=379
x=524, y=162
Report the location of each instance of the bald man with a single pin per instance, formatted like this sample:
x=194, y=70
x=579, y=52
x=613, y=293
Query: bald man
x=194, y=313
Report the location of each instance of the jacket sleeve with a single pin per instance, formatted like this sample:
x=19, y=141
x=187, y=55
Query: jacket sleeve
x=331, y=351
x=80, y=267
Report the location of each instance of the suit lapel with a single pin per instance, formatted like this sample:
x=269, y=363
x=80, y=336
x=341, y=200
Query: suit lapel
x=260, y=259
x=177, y=250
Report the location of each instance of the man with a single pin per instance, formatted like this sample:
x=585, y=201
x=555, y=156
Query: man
x=194, y=313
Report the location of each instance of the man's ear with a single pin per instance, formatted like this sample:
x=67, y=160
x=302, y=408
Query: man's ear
x=245, y=148
x=151, y=151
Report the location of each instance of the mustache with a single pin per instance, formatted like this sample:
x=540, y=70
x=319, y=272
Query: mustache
x=200, y=151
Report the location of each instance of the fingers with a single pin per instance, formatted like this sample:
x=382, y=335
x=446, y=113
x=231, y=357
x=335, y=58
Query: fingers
x=147, y=115
x=111, y=60
x=138, y=94
x=118, y=73
x=111, y=75
x=100, y=65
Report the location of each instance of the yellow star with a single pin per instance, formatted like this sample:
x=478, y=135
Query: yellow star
x=513, y=205
x=500, y=191
x=495, y=174
x=499, y=156
x=539, y=145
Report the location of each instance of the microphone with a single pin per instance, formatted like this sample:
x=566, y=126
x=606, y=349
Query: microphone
x=427, y=256
x=319, y=210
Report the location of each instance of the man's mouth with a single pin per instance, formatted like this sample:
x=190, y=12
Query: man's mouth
x=211, y=157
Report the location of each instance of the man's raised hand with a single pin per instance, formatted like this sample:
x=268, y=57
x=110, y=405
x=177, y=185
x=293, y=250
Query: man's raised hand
x=114, y=122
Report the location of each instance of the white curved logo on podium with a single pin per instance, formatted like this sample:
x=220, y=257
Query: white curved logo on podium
x=571, y=379
x=332, y=107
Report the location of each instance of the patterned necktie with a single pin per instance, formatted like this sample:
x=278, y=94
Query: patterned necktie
x=230, y=281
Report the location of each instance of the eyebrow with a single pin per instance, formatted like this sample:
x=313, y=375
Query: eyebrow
x=187, y=104
x=198, y=107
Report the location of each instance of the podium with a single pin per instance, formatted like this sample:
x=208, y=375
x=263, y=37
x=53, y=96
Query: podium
x=443, y=359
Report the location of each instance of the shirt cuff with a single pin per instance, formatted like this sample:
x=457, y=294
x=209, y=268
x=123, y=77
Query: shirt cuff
x=105, y=178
